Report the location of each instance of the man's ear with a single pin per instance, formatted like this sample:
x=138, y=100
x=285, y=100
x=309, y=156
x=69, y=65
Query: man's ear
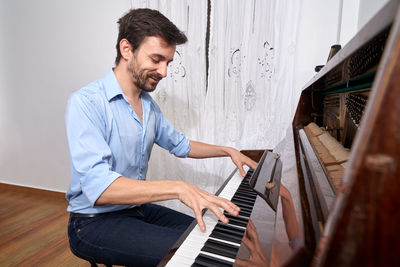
x=126, y=49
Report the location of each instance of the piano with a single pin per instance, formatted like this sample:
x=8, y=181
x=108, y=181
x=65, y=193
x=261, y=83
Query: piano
x=220, y=243
x=328, y=194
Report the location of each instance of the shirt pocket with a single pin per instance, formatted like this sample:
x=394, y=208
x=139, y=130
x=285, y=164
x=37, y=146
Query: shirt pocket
x=125, y=147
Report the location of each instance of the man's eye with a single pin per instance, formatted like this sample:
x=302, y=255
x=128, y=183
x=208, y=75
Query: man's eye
x=155, y=60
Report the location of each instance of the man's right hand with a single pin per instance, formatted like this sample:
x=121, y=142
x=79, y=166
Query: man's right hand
x=198, y=200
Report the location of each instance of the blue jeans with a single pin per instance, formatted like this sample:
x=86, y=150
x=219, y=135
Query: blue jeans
x=139, y=236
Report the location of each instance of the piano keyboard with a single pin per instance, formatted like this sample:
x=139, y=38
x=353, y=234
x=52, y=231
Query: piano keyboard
x=219, y=244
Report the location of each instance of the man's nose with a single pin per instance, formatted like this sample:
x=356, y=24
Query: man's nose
x=162, y=70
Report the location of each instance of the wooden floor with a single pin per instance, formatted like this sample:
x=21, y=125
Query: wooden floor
x=33, y=228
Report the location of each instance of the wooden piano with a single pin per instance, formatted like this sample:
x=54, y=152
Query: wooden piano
x=339, y=170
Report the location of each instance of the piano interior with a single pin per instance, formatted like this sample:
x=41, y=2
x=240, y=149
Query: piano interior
x=342, y=129
x=338, y=200
x=336, y=106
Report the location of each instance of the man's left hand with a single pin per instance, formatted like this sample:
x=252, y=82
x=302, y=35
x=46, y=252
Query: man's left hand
x=240, y=160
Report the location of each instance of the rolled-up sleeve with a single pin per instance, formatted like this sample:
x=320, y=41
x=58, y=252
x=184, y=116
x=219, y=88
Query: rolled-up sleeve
x=89, y=152
x=169, y=138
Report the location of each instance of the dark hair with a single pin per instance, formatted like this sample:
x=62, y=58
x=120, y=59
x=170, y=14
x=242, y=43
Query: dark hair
x=142, y=22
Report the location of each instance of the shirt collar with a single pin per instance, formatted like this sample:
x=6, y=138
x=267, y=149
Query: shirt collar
x=111, y=85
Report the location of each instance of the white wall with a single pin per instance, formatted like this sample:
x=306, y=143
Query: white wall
x=52, y=48
x=48, y=49
x=318, y=31
x=367, y=10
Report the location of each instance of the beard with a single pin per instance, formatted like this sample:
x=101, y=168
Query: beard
x=142, y=78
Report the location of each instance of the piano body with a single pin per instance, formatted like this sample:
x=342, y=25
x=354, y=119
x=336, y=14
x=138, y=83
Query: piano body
x=339, y=169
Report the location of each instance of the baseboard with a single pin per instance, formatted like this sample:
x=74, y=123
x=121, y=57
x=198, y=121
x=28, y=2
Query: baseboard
x=30, y=190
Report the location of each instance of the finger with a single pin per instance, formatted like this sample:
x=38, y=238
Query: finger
x=199, y=219
x=228, y=206
x=225, y=204
x=243, y=263
x=241, y=170
x=251, y=224
x=248, y=243
x=219, y=214
x=251, y=163
x=251, y=232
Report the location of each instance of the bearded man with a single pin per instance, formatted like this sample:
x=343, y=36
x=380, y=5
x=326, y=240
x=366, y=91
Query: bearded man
x=112, y=125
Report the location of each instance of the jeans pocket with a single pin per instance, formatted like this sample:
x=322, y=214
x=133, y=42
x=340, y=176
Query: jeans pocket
x=80, y=223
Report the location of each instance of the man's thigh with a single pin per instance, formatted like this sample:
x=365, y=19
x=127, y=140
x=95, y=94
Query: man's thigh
x=163, y=216
x=124, y=238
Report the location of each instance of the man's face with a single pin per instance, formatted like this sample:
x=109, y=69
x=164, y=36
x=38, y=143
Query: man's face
x=149, y=62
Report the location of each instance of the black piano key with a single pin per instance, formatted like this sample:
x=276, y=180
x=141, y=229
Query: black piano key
x=246, y=209
x=245, y=197
x=229, y=229
x=245, y=194
x=243, y=200
x=242, y=213
x=220, y=248
x=226, y=236
x=246, y=191
x=242, y=204
x=238, y=222
x=206, y=260
x=245, y=185
x=248, y=175
x=228, y=233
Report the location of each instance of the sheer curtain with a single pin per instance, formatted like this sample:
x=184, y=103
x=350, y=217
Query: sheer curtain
x=244, y=99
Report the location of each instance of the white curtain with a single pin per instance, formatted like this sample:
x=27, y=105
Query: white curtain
x=247, y=102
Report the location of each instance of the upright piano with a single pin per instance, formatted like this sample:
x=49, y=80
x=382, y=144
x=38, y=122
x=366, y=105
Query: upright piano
x=329, y=193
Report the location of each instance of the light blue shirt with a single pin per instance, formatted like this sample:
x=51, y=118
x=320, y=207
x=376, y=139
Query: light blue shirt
x=107, y=140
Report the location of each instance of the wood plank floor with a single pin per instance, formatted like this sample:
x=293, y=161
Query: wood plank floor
x=33, y=228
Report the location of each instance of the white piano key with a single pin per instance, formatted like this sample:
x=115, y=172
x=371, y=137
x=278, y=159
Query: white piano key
x=217, y=256
x=190, y=252
x=180, y=262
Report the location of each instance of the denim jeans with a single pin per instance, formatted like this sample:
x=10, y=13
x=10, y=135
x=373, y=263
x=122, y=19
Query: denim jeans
x=139, y=236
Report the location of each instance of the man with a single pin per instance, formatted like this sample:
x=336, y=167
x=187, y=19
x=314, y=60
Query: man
x=112, y=125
